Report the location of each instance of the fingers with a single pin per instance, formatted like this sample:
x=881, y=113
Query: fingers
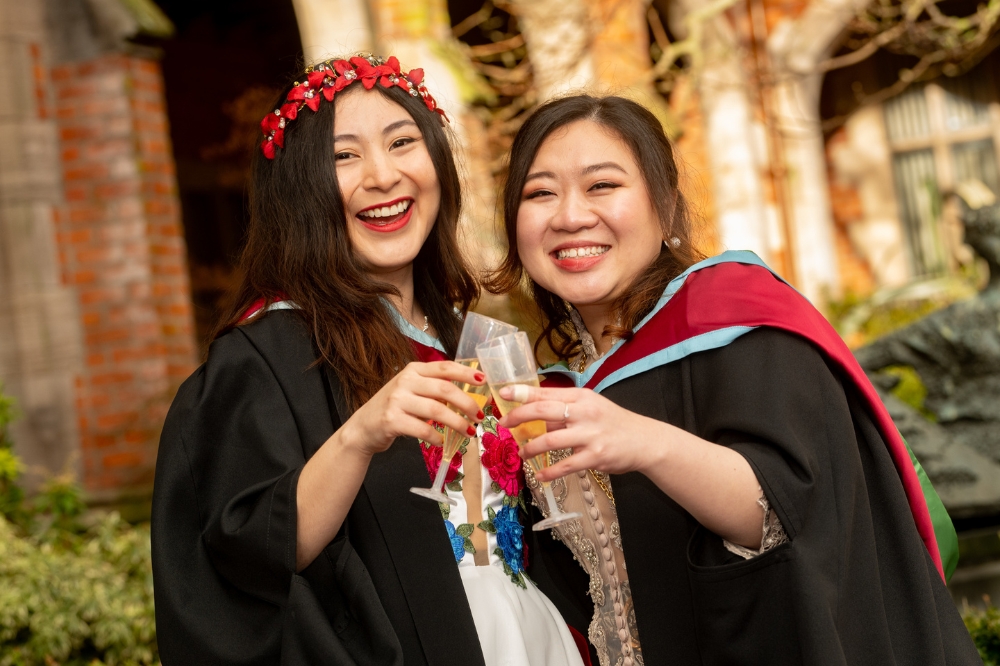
x=526, y=394
x=444, y=390
x=550, y=441
x=432, y=410
x=550, y=411
x=421, y=430
x=564, y=467
x=450, y=371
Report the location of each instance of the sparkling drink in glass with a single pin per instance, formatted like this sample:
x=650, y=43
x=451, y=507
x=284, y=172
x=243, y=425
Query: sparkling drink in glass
x=476, y=330
x=509, y=360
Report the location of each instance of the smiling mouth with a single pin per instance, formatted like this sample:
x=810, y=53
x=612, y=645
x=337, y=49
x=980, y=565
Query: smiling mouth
x=580, y=252
x=385, y=215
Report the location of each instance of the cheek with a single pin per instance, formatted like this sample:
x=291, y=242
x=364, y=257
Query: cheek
x=529, y=241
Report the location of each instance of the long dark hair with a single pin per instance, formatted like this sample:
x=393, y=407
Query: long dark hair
x=644, y=135
x=298, y=248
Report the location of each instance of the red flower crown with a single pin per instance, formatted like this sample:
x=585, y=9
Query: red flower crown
x=330, y=77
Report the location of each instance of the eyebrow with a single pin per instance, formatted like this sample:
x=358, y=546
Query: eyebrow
x=389, y=129
x=589, y=170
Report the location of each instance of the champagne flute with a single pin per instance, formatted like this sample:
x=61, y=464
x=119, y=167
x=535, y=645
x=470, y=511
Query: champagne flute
x=476, y=330
x=509, y=360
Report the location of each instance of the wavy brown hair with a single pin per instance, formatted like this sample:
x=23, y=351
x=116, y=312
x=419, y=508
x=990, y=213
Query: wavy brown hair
x=298, y=248
x=643, y=134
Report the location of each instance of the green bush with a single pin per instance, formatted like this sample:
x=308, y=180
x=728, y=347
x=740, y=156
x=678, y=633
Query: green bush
x=984, y=626
x=76, y=587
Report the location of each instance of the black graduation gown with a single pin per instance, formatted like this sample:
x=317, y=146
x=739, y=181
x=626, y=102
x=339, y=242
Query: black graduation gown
x=855, y=584
x=385, y=591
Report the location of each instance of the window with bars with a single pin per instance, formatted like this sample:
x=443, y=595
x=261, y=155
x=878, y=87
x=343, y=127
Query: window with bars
x=941, y=134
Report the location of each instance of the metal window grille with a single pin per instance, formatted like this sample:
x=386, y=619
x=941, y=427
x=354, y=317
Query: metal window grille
x=941, y=134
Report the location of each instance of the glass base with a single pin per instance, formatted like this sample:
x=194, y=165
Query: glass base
x=553, y=520
x=432, y=494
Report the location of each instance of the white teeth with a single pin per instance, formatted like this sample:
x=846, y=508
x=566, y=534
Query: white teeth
x=387, y=211
x=574, y=252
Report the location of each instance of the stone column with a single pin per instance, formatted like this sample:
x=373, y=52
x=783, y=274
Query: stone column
x=734, y=137
x=796, y=47
x=39, y=326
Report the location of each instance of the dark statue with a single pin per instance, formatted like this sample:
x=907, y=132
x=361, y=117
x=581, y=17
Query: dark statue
x=956, y=352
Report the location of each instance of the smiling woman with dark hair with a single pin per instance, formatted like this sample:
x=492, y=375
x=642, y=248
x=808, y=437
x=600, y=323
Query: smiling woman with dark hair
x=712, y=429
x=283, y=530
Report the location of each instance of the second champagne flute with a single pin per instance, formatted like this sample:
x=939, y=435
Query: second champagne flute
x=476, y=330
x=506, y=361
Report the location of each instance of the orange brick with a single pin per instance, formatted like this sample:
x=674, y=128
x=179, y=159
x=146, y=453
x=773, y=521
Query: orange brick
x=107, y=378
x=83, y=277
x=114, y=421
x=137, y=437
x=103, y=441
x=119, y=460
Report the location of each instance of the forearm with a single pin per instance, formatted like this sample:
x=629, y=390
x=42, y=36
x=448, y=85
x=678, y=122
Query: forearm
x=713, y=483
x=327, y=486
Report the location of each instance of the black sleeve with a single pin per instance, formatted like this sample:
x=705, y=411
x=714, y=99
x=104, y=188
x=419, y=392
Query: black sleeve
x=772, y=397
x=224, y=511
x=855, y=584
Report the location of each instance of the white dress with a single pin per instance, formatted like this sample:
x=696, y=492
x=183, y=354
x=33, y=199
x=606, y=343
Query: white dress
x=517, y=624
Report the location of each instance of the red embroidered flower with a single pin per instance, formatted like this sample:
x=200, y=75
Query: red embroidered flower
x=502, y=461
x=432, y=458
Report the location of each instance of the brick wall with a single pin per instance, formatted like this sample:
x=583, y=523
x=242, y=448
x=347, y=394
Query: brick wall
x=121, y=246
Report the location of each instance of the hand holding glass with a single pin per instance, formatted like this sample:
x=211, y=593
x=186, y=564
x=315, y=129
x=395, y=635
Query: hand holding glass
x=509, y=360
x=476, y=330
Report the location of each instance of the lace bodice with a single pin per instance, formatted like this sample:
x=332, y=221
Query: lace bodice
x=596, y=544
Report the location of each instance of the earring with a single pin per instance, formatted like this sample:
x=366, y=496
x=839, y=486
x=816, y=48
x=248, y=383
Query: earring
x=674, y=240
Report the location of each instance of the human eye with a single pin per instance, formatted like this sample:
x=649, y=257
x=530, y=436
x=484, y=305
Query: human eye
x=402, y=141
x=604, y=185
x=537, y=194
x=343, y=155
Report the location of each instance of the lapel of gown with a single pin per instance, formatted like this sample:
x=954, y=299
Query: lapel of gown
x=415, y=536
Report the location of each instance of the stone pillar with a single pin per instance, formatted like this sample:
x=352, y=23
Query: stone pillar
x=333, y=28
x=122, y=247
x=796, y=47
x=39, y=326
x=559, y=41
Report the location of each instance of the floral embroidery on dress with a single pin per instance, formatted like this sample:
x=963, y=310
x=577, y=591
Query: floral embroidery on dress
x=506, y=525
x=432, y=458
x=500, y=458
x=460, y=541
x=502, y=461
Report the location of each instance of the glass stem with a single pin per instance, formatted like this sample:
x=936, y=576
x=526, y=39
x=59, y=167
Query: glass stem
x=442, y=473
x=550, y=499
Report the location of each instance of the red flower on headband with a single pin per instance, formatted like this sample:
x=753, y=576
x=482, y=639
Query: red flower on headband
x=305, y=93
x=327, y=79
x=369, y=74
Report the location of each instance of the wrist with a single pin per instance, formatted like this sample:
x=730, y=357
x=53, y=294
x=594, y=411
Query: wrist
x=656, y=443
x=351, y=441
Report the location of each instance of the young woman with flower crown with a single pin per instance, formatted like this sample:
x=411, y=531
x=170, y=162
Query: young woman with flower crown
x=711, y=427
x=283, y=530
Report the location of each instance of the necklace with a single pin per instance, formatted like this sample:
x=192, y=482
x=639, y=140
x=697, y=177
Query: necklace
x=604, y=486
x=589, y=354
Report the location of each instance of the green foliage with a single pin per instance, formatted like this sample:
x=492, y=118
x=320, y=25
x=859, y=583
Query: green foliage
x=76, y=588
x=984, y=627
x=910, y=389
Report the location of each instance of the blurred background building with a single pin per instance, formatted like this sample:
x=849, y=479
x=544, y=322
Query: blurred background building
x=825, y=135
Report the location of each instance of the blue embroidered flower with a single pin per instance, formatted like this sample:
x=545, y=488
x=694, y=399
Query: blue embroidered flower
x=509, y=532
x=457, y=541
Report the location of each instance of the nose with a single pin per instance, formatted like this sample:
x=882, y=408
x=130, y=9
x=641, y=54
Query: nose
x=380, y=172
x=574, y=214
